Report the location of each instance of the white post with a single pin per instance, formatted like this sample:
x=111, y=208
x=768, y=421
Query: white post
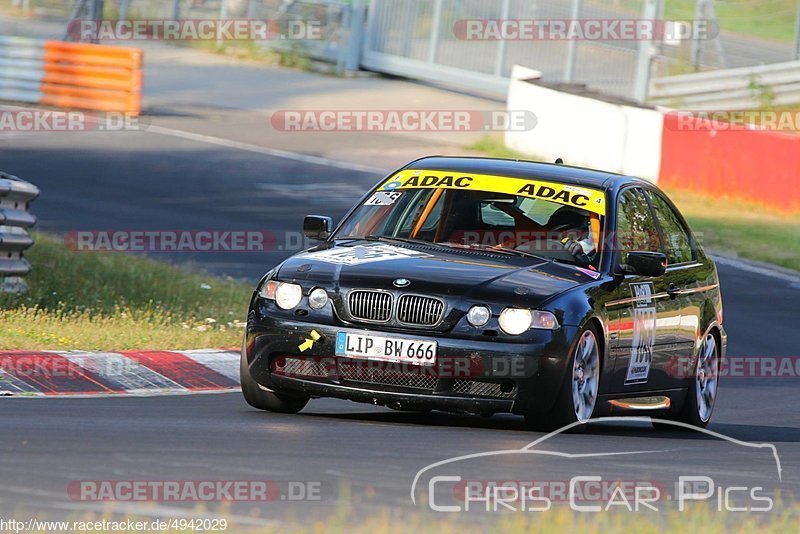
x=500, y=57
x=642, y=81
x=353, y=58
x=123, y=10
x=797, y=32
x=436, y=23
x=697, y=47
x=572, y=45
x=223, y=15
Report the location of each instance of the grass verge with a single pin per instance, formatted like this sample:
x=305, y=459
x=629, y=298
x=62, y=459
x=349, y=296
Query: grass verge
x=114, y=301
x=773, y=20
x=494, y=146
x=696, y=518
x=765, y=19
x=746, y=229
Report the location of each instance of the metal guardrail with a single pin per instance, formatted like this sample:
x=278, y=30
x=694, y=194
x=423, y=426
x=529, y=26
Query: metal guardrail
x=730, y=89
x=15, y=221
x=22, y=68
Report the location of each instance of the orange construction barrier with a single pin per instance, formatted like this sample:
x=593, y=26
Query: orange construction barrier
x=90, y=76
x=750, y=164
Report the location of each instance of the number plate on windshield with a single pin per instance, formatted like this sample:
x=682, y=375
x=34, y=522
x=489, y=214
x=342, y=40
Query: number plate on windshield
x=388, y=349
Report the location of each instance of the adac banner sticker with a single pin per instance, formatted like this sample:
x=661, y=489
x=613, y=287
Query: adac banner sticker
x=569, y=195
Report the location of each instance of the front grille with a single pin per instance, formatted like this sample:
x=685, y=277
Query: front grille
x=417, y=310
x=370, y=305
x=422, y=378
x=482, y=389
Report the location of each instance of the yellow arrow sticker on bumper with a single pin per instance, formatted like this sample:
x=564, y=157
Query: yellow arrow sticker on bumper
x=309, y=342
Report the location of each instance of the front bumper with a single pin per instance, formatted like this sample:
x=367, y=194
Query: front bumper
x=471, y=375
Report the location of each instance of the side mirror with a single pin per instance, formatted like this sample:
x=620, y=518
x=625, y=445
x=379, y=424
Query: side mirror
x=644, y=263
x=317, y=227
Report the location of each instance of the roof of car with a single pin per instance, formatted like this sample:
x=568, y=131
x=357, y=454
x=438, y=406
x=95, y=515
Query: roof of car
x=524, y=169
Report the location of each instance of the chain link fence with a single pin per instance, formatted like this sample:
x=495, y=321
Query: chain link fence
x=330, y=16
x=427, y=31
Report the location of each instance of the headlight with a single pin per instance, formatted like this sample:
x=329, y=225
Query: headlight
x=288, y=296
x=318, y=298
x=479, y=315
x=515, y=321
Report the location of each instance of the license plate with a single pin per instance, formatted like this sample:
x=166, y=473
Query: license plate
x=388, y=349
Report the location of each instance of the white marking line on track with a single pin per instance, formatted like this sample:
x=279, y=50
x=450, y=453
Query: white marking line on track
x=756, y=269
x=275, y=152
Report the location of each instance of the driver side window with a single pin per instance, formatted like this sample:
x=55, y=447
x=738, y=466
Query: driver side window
x=678, y=245
x=636, y=228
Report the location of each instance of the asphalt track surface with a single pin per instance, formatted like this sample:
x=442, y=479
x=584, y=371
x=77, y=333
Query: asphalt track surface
x=362, y=456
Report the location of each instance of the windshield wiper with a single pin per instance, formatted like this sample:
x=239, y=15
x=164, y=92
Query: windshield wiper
x=509, y=251
x=406, y=240
x=471, y=246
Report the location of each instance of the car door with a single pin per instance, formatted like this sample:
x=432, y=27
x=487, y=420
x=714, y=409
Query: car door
x=685, y=277
x=641, y=313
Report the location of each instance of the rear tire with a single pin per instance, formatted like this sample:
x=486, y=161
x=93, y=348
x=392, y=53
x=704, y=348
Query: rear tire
x=579, y=389
x=257, y=397
x=702, y=395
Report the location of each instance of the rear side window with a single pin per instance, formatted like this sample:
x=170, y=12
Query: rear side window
x=677, y=244
x=636, y=228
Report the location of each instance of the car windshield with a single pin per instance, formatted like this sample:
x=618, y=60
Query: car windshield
x=488, y=213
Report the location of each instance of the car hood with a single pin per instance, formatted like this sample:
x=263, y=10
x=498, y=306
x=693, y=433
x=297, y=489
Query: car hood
x=433, y=271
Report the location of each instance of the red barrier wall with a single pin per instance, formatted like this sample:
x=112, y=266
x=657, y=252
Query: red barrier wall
x=756, y=165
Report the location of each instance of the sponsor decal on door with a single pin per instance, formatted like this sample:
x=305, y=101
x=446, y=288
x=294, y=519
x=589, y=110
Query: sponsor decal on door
x=644, y=333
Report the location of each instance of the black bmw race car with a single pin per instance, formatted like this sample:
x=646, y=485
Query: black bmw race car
x=486, y=285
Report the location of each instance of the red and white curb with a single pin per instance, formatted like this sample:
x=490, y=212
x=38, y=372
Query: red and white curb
x=77, y=373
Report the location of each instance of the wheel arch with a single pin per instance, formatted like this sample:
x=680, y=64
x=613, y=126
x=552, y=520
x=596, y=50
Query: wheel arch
x=602, y=336
x=709, y=324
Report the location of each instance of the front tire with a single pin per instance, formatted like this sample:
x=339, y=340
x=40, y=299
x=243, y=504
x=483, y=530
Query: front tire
x=578, y=395
x=702, y=395
x=257, y=397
